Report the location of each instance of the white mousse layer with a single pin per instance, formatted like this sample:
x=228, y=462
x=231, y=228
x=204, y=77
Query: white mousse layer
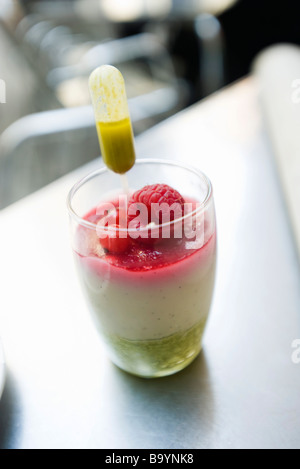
x=151, y=304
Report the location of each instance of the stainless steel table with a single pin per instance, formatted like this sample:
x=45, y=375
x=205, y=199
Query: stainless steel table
x=242, y=392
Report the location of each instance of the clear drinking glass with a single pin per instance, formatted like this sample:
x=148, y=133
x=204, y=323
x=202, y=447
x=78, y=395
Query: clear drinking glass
x=151, y=303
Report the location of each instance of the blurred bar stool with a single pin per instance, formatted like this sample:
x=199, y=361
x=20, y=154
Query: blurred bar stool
x=129, y=11
x=63, y=42
x=166, y=17
x=40, y=148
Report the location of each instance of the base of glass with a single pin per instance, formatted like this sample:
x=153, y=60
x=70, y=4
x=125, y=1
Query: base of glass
x=159, y=357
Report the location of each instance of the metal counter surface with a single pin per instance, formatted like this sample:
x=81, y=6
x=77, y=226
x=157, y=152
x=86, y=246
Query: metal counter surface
x=242, y=391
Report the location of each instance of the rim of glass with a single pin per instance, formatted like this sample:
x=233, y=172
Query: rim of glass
x=178, y=164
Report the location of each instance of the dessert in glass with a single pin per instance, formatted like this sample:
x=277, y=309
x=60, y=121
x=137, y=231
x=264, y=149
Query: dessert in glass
x=146, y=256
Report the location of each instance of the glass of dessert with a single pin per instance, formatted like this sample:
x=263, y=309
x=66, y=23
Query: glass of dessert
x=145, y=249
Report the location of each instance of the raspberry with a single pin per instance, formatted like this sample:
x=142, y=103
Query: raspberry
x=155, y=204
x=112, y=241
x=111, y=219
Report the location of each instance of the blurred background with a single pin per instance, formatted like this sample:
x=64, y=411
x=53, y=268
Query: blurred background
x=172, y=53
